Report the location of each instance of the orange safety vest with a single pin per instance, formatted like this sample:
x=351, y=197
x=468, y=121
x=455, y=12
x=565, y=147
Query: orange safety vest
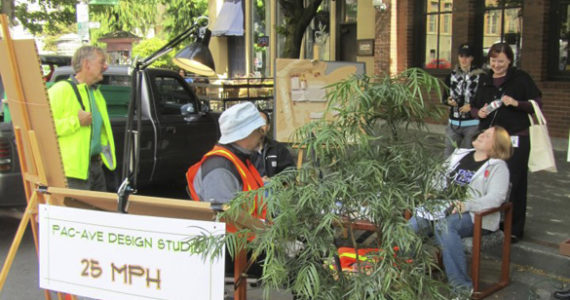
x=348, y=258
x=250, y=178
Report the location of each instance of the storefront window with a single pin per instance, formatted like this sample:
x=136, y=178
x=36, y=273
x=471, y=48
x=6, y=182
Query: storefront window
x=260, y=60
x=349, y=11
x=317, y=35
x=559, y=39
x=502, y=22
x=438, y=34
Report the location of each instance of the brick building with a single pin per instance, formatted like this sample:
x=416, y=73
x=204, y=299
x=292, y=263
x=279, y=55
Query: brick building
x=413, y=33
x=427, y=34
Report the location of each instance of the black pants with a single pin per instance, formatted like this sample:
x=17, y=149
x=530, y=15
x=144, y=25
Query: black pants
x=518, y=168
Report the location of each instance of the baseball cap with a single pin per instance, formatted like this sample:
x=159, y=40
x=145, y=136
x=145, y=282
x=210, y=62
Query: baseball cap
x=465, y=49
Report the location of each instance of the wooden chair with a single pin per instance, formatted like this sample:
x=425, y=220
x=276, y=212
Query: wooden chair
x=479, y=240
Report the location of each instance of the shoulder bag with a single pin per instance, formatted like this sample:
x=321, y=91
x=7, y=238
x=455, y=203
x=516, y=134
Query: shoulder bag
x=541, y=157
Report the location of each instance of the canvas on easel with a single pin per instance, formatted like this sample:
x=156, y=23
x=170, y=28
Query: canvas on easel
x=300, y=91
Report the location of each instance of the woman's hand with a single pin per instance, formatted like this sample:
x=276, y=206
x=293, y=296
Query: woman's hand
x=509, y=101
x=451, y=102
x=459, y=207
x=465, y=108
x=482, y=113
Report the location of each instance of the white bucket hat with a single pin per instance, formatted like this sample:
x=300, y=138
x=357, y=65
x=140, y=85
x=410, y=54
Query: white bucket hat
x=239, y=121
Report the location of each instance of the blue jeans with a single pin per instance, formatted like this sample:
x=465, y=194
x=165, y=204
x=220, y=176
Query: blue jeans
x=448, y=233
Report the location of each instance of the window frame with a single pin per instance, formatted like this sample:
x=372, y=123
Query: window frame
x=421, y=17
x=553, y=42
x=501, y=8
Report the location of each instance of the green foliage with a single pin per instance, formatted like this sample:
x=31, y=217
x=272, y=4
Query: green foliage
x=369, y=159
x=49, y=19
x=181, y=14
x=149, y=46
x=137, y=16
x=127, y=15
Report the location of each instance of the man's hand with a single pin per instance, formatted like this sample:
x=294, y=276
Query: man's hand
x=451, y=102
x=465, y=108
x=84, y=118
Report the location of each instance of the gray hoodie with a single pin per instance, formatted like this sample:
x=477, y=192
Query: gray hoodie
x=488, y=188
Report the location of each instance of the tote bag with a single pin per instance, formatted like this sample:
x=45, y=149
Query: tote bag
x=541, y=157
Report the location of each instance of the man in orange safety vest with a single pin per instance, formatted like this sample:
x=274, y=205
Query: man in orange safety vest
x=227, y=169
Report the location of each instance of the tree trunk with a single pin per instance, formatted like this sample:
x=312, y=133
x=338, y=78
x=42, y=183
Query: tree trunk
x=297, y=18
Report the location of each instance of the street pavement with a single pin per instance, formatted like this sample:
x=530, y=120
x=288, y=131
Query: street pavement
x=537, y=268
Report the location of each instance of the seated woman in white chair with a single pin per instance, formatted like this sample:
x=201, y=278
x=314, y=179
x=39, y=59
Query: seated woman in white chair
x=484, y=171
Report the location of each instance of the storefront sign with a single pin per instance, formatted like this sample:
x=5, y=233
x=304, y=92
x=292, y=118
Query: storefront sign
x=108, y=256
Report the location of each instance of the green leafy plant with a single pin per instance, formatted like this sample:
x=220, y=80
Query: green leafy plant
x=368, y=159
x=149, y=46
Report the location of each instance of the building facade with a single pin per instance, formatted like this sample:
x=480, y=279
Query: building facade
x=392, y=35
x=428, y=32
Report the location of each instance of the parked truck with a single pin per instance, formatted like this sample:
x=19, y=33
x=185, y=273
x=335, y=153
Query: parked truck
x=170, y=140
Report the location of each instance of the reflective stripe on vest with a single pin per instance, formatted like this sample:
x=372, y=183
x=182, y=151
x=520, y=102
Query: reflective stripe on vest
x=249, y=175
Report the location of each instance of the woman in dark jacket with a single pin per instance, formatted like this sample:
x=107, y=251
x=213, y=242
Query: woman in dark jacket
x=502, y=99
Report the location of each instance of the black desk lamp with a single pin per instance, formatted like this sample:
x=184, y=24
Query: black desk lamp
x=195, y=58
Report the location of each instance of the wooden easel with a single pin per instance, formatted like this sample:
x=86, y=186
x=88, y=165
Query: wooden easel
x=33, y=174
x=42, y=171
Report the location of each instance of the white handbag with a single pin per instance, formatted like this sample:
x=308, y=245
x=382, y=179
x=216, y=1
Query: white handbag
x=541, y=157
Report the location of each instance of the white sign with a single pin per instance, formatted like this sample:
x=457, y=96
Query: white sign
x=119, y=256
x=95, y=25
x=82, y=10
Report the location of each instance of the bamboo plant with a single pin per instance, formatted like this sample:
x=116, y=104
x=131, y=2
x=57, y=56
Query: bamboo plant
x=368, y=159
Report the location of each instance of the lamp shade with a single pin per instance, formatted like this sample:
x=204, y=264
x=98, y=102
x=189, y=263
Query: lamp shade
x=197, y=58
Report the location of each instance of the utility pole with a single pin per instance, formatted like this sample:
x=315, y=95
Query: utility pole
x=83, y=21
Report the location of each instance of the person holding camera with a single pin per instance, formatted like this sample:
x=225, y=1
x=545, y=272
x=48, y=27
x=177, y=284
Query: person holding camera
x=502, y=99
x=462, y=82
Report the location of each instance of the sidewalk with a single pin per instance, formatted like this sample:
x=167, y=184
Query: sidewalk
x=537, y=268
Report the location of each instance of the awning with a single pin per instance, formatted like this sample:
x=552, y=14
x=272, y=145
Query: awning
x=230, y=19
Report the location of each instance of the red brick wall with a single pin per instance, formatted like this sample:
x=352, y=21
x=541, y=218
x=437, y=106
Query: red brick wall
x=382, y=42
x=556, y=107
x=534, y=39
x=534, y=60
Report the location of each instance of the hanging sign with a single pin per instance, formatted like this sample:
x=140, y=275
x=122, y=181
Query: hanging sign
x=82, y=11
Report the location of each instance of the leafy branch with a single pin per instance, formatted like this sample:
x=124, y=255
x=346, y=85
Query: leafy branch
x=369, y=159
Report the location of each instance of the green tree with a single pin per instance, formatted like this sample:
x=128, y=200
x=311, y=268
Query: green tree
x=181, y=14
x=50, y=17
x=127, y=15
x=296, y=16
x=364, y=162
x=149, y=46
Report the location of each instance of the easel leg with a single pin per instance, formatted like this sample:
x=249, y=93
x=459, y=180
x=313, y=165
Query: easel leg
x=18, y=239
x=240, y=282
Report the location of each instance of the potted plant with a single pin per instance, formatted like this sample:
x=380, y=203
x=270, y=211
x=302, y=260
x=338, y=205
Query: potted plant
x=367, y=160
